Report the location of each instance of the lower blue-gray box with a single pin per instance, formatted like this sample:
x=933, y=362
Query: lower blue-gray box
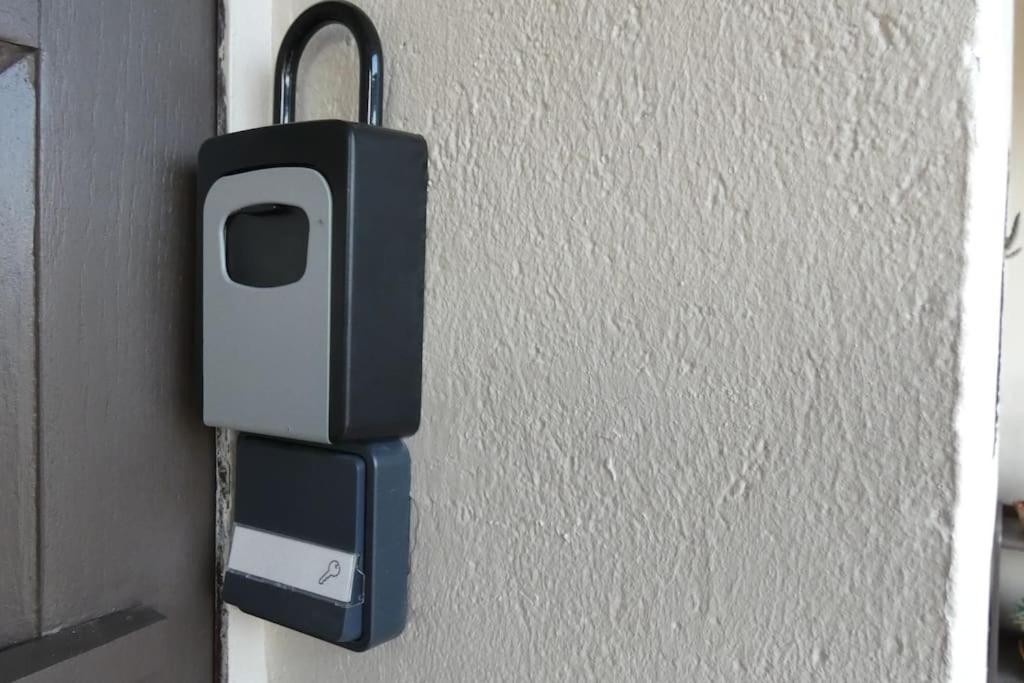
x=321, y=538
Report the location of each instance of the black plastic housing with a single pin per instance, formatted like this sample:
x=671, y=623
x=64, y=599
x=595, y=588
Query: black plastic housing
x=307, y=492
x=378, y=182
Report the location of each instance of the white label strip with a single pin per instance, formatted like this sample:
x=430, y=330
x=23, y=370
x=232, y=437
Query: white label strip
x=317, y=569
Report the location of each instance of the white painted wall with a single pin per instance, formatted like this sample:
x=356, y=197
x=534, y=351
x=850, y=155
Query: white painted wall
x=986, y=115
x=247, y=62
x=711, y=338
x=1011, y=422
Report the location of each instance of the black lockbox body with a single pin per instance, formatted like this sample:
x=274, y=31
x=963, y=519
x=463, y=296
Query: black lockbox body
x=311, y=253
x=377, y=180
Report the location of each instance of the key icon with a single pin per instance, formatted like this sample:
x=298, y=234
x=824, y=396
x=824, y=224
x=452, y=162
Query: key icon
x=333, y=569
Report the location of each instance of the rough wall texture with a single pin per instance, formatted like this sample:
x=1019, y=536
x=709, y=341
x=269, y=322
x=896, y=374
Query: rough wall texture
x=691, y=341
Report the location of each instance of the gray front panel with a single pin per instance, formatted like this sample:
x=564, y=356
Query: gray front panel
x=293, y=563
x=266, y=351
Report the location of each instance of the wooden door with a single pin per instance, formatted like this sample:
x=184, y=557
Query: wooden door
x=106, y=473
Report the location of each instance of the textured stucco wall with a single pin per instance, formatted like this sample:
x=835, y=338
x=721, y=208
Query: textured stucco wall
x=694, y=291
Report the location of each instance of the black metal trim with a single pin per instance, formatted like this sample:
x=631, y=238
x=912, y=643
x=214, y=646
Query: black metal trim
x=24, y=659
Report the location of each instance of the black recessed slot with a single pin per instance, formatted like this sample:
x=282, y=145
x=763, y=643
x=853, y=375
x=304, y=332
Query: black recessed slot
x=266, y=245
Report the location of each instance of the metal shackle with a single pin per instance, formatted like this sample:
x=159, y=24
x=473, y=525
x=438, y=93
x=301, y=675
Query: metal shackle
x=371, y=59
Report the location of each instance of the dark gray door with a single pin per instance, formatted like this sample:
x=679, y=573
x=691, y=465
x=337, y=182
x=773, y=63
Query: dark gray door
x=106, y=474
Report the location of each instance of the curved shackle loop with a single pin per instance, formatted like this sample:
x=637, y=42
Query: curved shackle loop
x=371, y=59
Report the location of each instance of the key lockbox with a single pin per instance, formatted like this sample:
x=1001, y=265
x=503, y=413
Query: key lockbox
x=311, y=264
